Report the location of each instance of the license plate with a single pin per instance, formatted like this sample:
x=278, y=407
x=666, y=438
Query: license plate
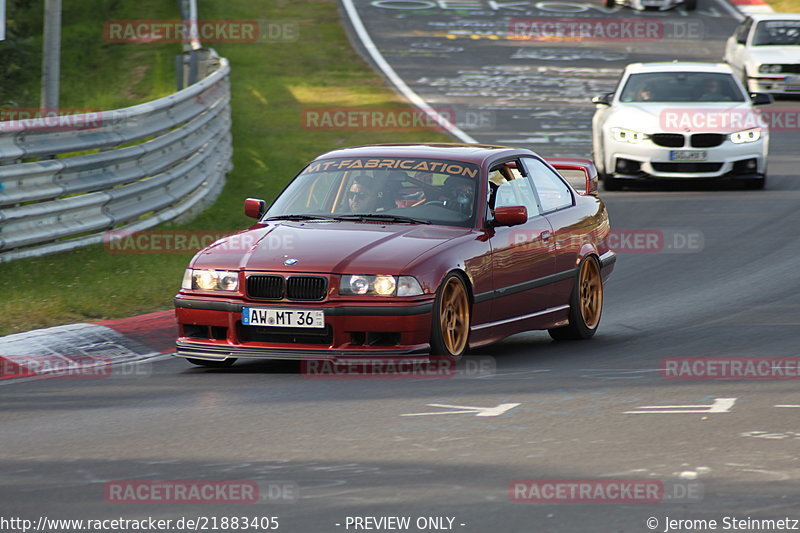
x=697, y=155
x=283, y=318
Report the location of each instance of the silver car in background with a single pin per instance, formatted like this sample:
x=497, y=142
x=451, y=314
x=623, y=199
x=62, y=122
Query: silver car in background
x=653, y=5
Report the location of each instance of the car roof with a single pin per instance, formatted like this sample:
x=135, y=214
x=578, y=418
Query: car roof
x=679, y=66
x=472, y=153
x=775, y=16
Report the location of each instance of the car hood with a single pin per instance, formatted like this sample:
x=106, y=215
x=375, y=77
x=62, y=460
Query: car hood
x=334, y=247
x=673, y=116
x=775, y=54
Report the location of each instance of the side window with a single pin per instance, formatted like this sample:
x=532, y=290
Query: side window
x=510, y=188
x=743, y=30
x=553, y=192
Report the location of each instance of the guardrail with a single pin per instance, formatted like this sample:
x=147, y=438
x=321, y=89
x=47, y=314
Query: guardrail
x=151, y=163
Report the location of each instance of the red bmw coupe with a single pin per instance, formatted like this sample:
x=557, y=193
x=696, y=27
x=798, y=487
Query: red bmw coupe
x=403, y=249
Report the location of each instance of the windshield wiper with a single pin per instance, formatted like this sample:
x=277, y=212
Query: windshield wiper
x=381, y=217
x=297, y=217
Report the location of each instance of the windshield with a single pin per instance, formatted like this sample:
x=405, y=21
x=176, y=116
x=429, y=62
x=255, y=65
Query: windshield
x=777, y=33
x=681, y=87
x=407, y=189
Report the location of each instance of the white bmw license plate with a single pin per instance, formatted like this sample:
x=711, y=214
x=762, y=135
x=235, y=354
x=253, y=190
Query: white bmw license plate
x=284, y=318
x=685, y=155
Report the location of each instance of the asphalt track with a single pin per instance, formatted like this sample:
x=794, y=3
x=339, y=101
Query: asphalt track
x=722, y=282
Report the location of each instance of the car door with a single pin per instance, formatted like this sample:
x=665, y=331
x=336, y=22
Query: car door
x=522, y=256
x=556, y=200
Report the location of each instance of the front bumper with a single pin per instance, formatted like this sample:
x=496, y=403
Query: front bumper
x=212, y=329
x=654, y=5
x=648, y=160
x=774, y=84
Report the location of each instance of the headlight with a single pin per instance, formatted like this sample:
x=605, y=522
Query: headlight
x=746, y=136
x=210, y=280
x=629, y=136
x=384, y=285
x=769, y=69
x=369, y=285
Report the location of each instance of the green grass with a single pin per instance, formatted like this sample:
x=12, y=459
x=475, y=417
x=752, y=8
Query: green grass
x=785, y=6
x=271, y=83
x=94, y=73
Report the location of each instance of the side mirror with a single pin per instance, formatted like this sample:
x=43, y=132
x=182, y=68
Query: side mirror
x=761, y=98
x=255, y=207
x=603, y=99
x=512, y=215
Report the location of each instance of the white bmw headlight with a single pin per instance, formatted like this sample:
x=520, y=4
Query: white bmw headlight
x=629, y=136
x=769, y=69
x=383, y=285
x=210, y=280
x=746, y=136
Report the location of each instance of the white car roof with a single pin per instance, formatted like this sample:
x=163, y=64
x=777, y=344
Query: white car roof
x=679, y=66
x=775, y=16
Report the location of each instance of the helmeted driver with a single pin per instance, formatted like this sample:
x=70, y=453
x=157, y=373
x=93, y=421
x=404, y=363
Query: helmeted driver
x=460, y=193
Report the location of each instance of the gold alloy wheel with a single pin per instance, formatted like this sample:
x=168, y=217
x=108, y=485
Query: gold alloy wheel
x=454, y=316
x=591, y=293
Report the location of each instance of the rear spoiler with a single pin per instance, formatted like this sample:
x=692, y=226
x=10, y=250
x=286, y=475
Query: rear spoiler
x=580, y=173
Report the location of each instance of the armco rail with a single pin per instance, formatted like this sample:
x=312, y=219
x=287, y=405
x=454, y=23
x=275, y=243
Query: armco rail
x=155, y=161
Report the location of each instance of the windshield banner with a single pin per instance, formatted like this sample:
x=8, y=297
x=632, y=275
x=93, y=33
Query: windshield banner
x=452, y=168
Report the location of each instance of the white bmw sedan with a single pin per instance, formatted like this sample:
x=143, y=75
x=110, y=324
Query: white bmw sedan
x=680, y=120
x=764, y=52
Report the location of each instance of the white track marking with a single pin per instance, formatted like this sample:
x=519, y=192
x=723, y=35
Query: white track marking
x=466, y=409
x=720, y=405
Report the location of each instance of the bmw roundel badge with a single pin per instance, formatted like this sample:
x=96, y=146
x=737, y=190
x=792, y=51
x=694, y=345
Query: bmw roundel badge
x=290, y=262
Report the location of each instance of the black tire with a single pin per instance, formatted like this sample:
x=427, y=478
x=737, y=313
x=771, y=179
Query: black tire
x=610, y=3
x=451, y=318
x=584, y=318
x=227, y=363
x=690, y=5
x=611, y=184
